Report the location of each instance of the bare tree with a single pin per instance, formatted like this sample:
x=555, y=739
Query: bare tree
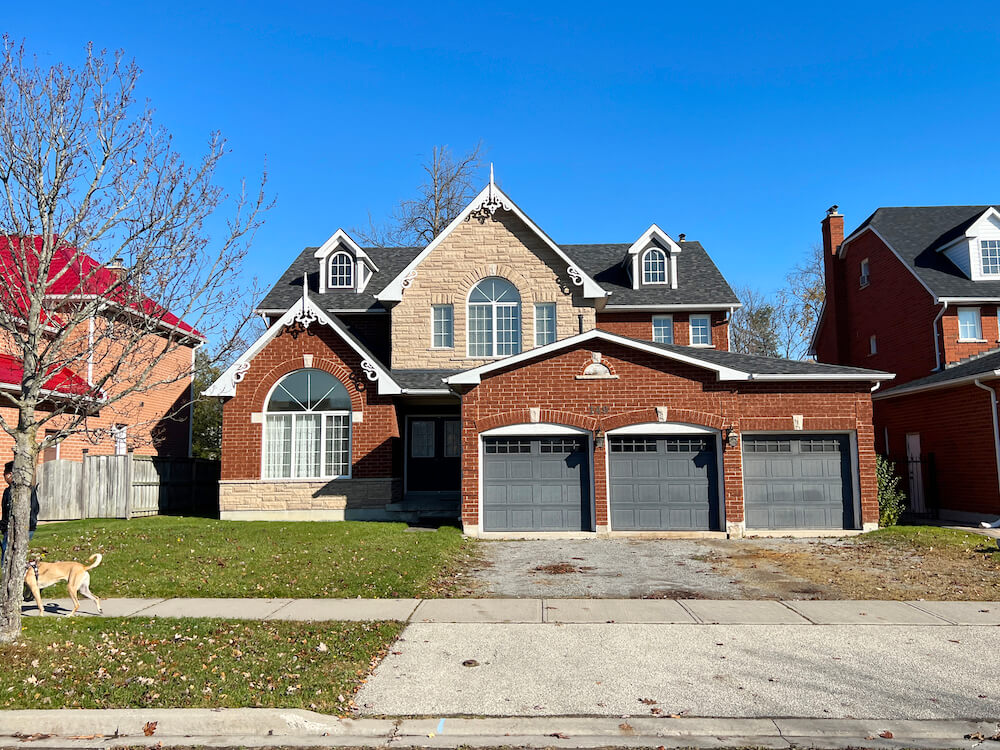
x=115, y=258
x=449, y=188
x=799, y=303
x=754, y=327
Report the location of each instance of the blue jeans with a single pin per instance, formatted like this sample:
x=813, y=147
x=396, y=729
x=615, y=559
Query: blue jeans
x=3, y=545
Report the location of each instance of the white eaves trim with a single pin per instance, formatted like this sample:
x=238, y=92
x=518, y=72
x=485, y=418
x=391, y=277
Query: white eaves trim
x=672, y=308
x=633, y=254
x=969, y=300
x=393, y=291
x=904, y=390
x=474, y=376
x=306, y=312
x=342, y=239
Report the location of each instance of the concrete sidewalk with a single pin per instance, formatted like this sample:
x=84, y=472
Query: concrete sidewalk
x=556, y=611
x=295, y=727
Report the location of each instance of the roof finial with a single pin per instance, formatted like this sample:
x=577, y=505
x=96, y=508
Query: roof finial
x=305, y=289
x=491, y=178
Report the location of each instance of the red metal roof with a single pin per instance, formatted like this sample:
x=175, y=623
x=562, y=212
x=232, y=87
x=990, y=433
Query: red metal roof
x=74, y=273
x=63, y=380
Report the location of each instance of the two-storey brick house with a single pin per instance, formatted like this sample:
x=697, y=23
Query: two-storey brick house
x=525, y=386
x=916, y=290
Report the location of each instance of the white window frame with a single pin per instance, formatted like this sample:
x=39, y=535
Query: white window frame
x=663, y=319
x=872, y=345
x=865, y=274
x=708, y=325
x=435, y=309
x=119, y=433
x=642, y=265
x=979, y=323
x=539, y=306
x=350, y=271
x=324, y=476
x=995, y=247
x=494, y=307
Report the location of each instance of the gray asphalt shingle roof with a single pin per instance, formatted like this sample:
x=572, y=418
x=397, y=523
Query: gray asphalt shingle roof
x=969, y=368
x=700, y=281
x=915, y=232
x=421, y=379
x=758, y=365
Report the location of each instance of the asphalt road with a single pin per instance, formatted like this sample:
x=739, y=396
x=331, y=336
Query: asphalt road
x=828, y=671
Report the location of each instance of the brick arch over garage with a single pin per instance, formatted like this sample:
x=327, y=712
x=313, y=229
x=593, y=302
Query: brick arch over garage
x=641, y=416
x=267, y=381
x=545, y=416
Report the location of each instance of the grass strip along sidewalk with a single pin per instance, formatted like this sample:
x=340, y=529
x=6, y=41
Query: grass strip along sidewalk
x=198, y=557
x=192, y=663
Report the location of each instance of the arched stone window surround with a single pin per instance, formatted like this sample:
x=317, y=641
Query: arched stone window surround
x=496, y=304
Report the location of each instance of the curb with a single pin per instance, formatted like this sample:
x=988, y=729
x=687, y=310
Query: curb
x=113, y=728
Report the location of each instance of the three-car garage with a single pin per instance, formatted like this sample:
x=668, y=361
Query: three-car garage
x=658, y=480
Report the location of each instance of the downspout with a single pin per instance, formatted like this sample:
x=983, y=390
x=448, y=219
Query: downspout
x=996, y=428
x=90, y=352
x=937, y=346
x=729, y=326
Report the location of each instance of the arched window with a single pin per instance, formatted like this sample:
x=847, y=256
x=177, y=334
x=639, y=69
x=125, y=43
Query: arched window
x=307, y=428
x=341, y=271
x=494, y=319
x=654, y=266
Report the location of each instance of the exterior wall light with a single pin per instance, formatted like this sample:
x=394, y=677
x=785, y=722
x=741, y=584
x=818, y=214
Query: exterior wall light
x=732, y=439
x=598, y=440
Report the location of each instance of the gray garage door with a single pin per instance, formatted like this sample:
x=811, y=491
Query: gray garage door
x=797, y=482
x=536, y=484
x=664, y=483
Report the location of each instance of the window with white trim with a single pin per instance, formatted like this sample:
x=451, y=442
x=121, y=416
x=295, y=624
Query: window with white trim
x=969, y=325
x=442, y=326
x=990, y=252
x=307, y=427
x=654, y=266
x=545, y=323
x=341, y=271
x=701, y=330
x=865, y=273
x=494, y=319
x=663, y=329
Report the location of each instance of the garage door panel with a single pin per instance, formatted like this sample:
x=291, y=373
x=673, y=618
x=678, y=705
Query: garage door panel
x=797, y=482
x=663, y=483
x=545, y=483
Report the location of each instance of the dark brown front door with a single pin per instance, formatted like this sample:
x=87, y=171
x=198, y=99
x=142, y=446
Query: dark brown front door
x=433, y=454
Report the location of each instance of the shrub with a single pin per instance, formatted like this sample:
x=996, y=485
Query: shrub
x=891, y=499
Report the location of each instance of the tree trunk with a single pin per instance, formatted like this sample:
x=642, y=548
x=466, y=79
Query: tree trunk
x=15, y=561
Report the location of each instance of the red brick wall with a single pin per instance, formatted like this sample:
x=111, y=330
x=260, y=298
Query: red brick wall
x=894, y=307
x=372, y=438
x=645, y=381
x=954, y=350
x=955, y=425
x=639, y=325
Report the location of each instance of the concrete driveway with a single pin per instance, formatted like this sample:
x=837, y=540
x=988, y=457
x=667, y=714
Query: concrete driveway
x=614, y=568
x=828, y=671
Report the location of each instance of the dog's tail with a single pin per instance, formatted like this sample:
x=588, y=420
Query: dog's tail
x=97, y=561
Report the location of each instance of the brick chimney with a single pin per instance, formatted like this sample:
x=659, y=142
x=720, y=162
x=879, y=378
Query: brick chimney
x=833, y=346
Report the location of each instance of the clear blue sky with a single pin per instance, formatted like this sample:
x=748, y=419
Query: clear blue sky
x=736, y=123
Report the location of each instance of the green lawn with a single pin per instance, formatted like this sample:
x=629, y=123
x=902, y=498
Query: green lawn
x=164, y=663
x=197, y=557
x=925, y=537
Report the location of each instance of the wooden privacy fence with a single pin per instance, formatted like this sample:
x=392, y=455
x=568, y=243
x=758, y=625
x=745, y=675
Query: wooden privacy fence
x=127, y=486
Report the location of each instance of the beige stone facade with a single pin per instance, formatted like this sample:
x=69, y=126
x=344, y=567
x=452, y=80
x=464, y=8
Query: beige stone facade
x=246, y=499
x=501, y=246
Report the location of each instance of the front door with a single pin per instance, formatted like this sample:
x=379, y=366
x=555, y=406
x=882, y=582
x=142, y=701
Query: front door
x=433, y=455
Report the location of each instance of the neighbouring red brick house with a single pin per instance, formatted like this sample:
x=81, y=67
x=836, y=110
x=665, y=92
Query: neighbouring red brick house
x=916, y=290
x=529, y=387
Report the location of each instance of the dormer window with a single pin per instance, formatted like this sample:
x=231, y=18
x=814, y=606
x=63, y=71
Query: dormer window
x=990, y=250
x=341, y=274
x=654, y=266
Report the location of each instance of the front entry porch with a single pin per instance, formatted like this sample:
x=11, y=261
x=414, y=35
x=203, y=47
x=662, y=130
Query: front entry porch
x=432, y=462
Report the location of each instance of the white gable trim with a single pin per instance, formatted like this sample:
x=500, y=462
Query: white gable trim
x=490, y=199
x=474, y=376
x=974, y=230
x=635, y=252
x=306, y=312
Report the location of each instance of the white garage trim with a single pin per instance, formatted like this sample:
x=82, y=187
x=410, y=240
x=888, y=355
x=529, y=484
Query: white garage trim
x=540, y=429
x=669, y=428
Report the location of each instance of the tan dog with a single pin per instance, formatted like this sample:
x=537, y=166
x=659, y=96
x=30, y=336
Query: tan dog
x=75, y=574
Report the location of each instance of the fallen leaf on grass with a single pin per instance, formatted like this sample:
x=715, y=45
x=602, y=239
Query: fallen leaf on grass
x=149, y=728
